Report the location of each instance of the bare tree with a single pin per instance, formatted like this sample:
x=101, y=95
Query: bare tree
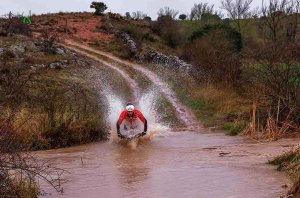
x=138, y=15
x=199, y=9
x=19, y=168
x=128, y=15
x=274, y=85
x=238, y=10
x=167, y=11
x=48, y=41
x=279, y=16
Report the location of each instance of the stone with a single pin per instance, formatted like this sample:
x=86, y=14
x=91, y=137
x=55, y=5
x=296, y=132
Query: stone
x=169, y=61
x=59, y=64
x=60, y=51
x=30, y=46
x=129, y=42
x=17, y=50
x=2, y=50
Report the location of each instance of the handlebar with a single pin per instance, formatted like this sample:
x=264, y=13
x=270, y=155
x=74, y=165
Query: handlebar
x=133, y=137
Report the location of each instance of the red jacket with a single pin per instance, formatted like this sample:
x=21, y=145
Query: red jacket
x=136, y=114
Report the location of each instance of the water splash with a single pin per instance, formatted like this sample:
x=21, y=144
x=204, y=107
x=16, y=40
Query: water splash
x=115, y=107
x=146, y=105
x=183, y=113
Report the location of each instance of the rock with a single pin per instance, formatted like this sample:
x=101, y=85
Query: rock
x=60, y=51
x=65, y=63
x=17, y=50
x=169, y=61
x=33, y=68
x=59, y=64
x=70, y=52
x=2, y=50
x=284, y=186
x=129, y=42
x=56, y=65
x=30, y=46
x=115, y=16
x=80, y=63
x=64, y=51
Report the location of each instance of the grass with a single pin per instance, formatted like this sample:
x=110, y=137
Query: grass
x=289, y=162
x=113, y=45
x=63, y=107
x=213, y=106
x=19, y=187
x=27, y=190
x=234, y=128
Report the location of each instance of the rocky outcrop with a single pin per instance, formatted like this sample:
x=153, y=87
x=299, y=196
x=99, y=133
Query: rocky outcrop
x=126, y=38
x=115, y=16
x=64, y=51
x=129, y=42
x=169, y=61
x=66, y=63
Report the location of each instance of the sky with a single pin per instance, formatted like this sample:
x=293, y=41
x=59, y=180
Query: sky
x=149, y=7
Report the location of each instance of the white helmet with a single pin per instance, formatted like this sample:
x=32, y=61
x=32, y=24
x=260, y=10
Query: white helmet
x=129, y=107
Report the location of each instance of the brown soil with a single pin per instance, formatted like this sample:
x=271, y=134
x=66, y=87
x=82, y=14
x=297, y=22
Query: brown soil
x=78, y=26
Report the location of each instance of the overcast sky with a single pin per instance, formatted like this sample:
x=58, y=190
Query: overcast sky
x=149, y=7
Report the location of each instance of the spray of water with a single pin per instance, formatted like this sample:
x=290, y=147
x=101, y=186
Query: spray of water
x=146, y=105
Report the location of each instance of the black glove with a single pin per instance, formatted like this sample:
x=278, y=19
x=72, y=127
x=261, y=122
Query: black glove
x=120, y=135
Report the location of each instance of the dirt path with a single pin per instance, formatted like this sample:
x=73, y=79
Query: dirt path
x=132, y=83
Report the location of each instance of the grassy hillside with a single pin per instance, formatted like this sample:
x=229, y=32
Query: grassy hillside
x=53, y=100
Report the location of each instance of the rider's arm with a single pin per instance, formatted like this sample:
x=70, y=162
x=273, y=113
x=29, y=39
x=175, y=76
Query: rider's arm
x=143, y=119
x=120, y=120
x=145, y=125
x=118, y=127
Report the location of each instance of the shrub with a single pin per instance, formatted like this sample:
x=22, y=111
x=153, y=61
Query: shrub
x=234, y=128
x=229, y=33
x=14, y=25
x=149, y=37
x=169, y=30
x=182, y=16
x=213, y=52
x=147, y=18
x=48, y=41
x=100, y=7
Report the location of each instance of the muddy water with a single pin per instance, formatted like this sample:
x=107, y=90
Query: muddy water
x=181, y=164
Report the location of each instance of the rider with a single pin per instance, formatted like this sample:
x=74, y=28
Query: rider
x=131, y=114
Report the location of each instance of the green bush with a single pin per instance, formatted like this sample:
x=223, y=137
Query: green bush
x=234, y=128
x=230, y=33
x=99, y=6
x=149, y=37
x=169, y=30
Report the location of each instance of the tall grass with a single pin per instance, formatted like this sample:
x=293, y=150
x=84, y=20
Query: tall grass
x=289, y=162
